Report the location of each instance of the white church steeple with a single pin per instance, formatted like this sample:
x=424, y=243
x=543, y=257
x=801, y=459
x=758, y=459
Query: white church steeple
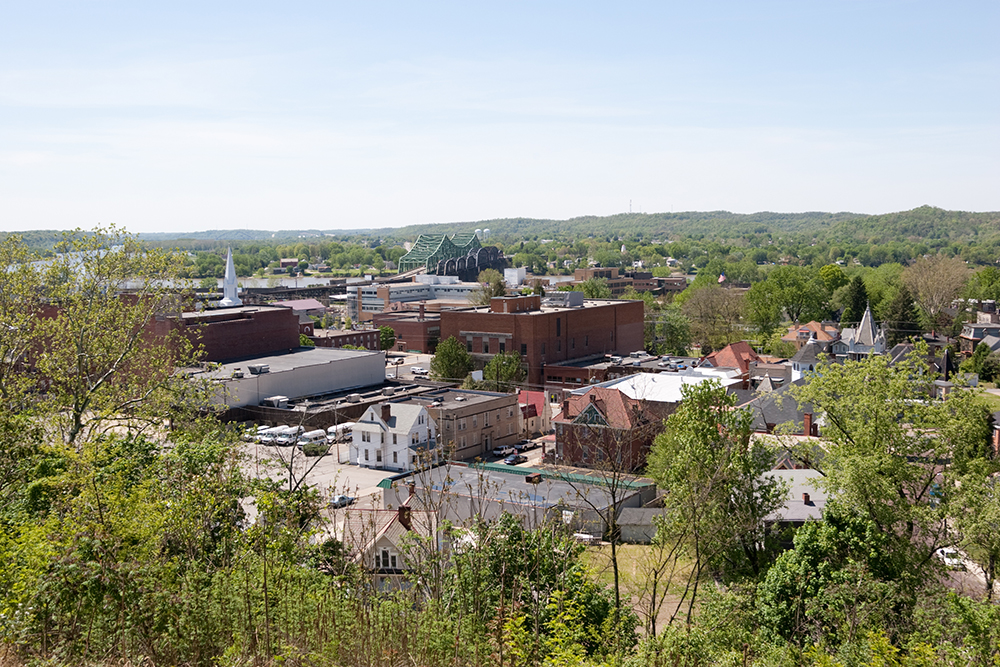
x=229, y=296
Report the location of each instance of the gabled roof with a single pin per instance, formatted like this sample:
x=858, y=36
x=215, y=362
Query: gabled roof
x=735, y=355
x=824, y=333
x=617, y=409
x=402, y=416
x=777, y=407
x=361, y=529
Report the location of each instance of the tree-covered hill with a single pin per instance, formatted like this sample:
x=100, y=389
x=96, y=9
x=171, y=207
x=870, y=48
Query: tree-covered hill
x=921, y=224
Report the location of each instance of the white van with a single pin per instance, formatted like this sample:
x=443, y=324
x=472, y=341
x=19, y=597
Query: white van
x=339, y=433
x=267, y=436
x=289, y=436
x=317, y=437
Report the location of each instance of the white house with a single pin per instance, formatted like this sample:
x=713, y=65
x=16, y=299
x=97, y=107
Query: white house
x=394, y=436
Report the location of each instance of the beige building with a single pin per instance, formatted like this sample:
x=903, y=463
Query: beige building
x=471, y=423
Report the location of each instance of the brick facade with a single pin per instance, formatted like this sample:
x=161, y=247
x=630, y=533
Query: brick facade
x=546, y=334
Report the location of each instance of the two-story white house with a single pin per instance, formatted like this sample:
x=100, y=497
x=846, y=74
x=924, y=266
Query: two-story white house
x=394, y=436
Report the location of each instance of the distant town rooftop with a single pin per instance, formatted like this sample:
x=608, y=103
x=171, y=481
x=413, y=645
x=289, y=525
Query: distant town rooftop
x=456, y=398
x=287, y=361
x=660, y=387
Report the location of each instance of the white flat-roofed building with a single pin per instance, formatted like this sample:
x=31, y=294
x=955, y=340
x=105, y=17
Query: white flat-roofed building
x=310, y=371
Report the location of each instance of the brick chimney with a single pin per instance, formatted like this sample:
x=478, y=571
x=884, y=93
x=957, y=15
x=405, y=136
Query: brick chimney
x=386, y=412
x=403, y=514
x=807, y=423
x=805, y=499
x=421, y=316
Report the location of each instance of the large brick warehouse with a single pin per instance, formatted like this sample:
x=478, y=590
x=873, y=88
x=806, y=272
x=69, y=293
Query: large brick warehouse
x=558, y=328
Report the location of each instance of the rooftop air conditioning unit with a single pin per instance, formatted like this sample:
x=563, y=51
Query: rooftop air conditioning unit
x=238, y=373
x=354, y=398
x=388, y=391
x=254, y=369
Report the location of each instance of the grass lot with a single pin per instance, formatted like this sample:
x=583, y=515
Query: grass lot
x=991, y=400
x=633, y=567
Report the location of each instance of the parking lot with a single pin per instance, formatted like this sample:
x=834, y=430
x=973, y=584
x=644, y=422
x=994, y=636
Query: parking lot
x=333, y=475
x=325, y=473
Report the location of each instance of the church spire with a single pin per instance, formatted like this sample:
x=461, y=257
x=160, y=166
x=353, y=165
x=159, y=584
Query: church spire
x=229, y=296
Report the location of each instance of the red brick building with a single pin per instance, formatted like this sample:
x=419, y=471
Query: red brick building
x=415, y=331
x=604, y=427
x=366, y=338
x=561, y=327
x=246, y=331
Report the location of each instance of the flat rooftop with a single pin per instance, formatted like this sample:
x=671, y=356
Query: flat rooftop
x=500, y=487
x=549, y=308
x=210, y=313
x=659, y=387
x=458, y=398
x=287, y=361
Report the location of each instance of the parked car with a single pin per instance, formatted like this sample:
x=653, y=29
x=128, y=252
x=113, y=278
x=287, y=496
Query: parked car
x=418, y=370
x=514, y=459
x=340, y=501
x=951, y=558
x=504, y=450
x=524, y=445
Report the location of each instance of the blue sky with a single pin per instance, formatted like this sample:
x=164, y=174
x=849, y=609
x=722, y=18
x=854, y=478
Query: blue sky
x=185, y=116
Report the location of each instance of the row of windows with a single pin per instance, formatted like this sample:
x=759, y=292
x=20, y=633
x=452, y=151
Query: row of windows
x=395, y=457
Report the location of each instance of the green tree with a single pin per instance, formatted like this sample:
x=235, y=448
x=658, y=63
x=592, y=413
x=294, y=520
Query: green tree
x=838, y=566
x=976, y=510
x=504, y=372
x=901, y=317
x=104, y=355
x=451, y=361
x=673, y=330
x=491, y=284
x=857, y=301
x=386, y=338
x=833, y=277
x=881, y=431
x=594, y=288
x=717, y=498
x=305, y=341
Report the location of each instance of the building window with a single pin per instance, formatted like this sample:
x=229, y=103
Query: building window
x=559, y=326
x=468, y=345
x=420, y=419
x=378, y=456
x=510, y=412
x=475, y=438
x=475, y=421
x=524, y=349
x=510, y=429
x=586, y=341
x=503, y=346
x=486, y=346
x=543, y=348
x=461, y=441
x=572, y=343
x=395, y=457
x=461, y=424
x=486, y=419
x=559, y=345
x=394, y=438
x=366, y=455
